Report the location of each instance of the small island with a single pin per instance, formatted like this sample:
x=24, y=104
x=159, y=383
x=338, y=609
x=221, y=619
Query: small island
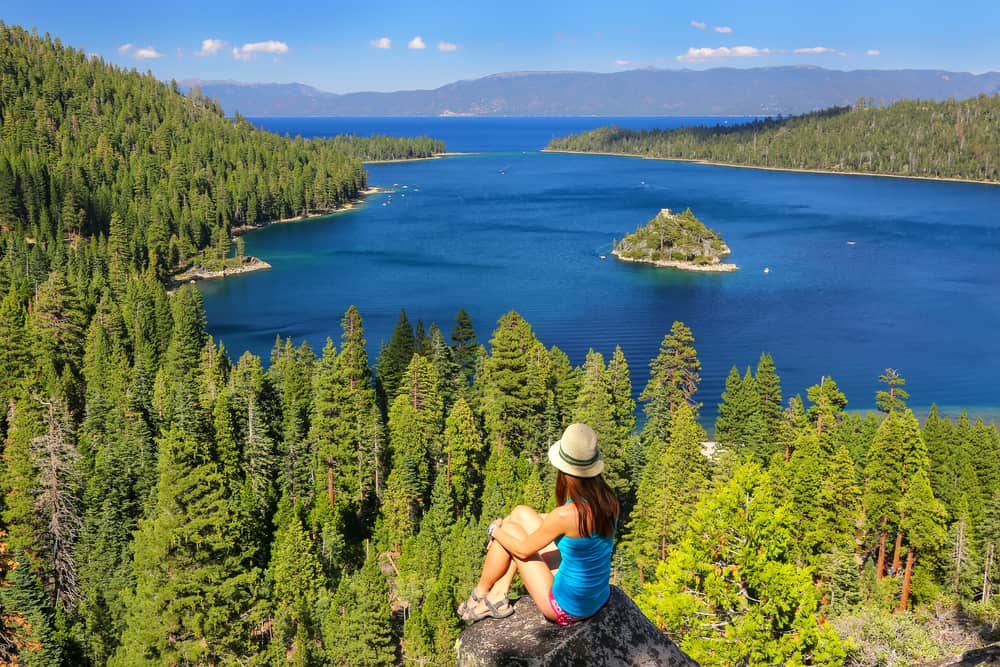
x=675, y=240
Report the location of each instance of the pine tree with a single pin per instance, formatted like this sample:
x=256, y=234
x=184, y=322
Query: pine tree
x=897, y=454
x=197, y=617
x=770, y=403
x=672, y=482
x=828, y=404
x=394, y=358
x=730, y=593
x=514, y=394
x=923, y=520
x=463, y=340
x=298, y=578
x=565, y=386
x=673, y=380
x=727, y=421
x=464, y=456
x=593, y=407
x=357, y=629
x=895, y=398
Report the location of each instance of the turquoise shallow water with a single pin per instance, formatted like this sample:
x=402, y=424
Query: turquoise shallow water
x=916, y=290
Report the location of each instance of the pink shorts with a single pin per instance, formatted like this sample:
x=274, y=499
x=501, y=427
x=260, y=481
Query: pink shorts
x=562, y=618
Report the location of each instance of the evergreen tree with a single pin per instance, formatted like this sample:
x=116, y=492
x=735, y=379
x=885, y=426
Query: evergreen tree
x=922, y=523
x=357, y=629
x=828, y=405
x=514, y=394
x=895, y=398
x=197, y=617
x=463, y=450
x=594, y=408
x=297, y=579
x=769, y=400
x=394, y=358
x=463, y=340
x=565, y=387
x=897, y=454
x=672, y=482
x=729, y=592
x=673, y=380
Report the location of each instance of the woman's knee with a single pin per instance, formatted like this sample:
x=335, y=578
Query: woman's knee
x=523, y=514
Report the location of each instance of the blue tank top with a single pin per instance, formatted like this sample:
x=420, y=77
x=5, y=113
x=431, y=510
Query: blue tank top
x=582, y=583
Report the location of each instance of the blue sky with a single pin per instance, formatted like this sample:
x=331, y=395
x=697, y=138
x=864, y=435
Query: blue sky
x=375, y=45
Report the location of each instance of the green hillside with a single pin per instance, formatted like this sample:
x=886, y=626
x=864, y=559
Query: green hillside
x=951, y=139
x=91, y=150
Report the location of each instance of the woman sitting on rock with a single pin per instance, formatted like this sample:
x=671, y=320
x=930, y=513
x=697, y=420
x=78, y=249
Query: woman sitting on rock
x=564, y=556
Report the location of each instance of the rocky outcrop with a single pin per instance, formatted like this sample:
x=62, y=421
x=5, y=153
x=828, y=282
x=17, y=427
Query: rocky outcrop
x=619, y=634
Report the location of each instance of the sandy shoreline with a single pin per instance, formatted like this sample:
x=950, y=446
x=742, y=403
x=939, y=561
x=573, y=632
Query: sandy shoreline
x=683, y=266
x=791, y=169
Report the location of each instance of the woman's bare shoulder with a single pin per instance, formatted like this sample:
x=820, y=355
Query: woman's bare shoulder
x=565, y=515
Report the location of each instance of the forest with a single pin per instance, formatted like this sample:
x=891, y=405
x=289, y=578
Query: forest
x=950, y=139
x=166, y=502
x=120, y=164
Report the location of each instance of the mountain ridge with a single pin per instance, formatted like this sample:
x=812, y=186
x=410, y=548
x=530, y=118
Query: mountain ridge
x=792, y=89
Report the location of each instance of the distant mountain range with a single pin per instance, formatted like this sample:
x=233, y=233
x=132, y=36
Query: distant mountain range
x=642, y=92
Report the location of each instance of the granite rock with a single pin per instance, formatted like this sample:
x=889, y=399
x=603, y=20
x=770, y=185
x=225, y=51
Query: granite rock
x=619, y=634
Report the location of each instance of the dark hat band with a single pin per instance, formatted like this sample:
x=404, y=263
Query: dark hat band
x=578, y=462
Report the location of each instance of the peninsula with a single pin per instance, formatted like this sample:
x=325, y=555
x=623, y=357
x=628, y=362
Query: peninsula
x=675, y=240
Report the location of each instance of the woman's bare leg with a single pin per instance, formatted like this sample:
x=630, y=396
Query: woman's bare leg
x=537, y=571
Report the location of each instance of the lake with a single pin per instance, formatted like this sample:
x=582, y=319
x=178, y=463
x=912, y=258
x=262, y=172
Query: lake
x=863, y=273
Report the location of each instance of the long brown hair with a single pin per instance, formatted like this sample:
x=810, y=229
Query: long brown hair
x=595, y=502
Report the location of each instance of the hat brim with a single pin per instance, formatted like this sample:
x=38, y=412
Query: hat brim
x=593, y=470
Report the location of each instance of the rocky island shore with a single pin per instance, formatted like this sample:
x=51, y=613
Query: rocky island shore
x=248, y=264
x=677, y=241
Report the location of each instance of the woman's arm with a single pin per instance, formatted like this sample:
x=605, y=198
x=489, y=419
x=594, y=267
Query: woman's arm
x=554, y=524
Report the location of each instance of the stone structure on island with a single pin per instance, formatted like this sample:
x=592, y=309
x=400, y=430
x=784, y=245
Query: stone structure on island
x=619, y=634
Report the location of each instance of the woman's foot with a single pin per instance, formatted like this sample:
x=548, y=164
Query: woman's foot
x=478, y=607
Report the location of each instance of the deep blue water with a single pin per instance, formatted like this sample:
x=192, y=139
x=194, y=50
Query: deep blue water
x=917, y=290
x=462, y=134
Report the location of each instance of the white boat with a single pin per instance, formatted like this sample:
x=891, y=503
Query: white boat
x=852, y=243
x=767, y=269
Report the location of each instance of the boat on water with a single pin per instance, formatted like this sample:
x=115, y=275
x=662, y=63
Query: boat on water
x=767, y=269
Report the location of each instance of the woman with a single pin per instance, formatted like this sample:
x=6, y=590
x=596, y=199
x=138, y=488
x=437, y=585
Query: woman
x=564, y=557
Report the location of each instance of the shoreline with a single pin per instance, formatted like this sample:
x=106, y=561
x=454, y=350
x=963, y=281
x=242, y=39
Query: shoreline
x=349, y=206
x=436, y=156
x=251, y=263
x=194, y=274
x=720, y=267
x=712, y=163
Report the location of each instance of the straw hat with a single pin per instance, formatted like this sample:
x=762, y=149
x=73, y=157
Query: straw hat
x=576, y=452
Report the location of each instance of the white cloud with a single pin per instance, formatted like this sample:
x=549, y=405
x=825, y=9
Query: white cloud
x=247, y=51
x=447, y=47
x=814, y=50
x=695, y=55
x=381, y=43
x=125, y=48
x=724, y=29
x=146, y=53
x=700, y=25
x=873, y=52
x=416, y=43
x=209, y=47
x=621, y=62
